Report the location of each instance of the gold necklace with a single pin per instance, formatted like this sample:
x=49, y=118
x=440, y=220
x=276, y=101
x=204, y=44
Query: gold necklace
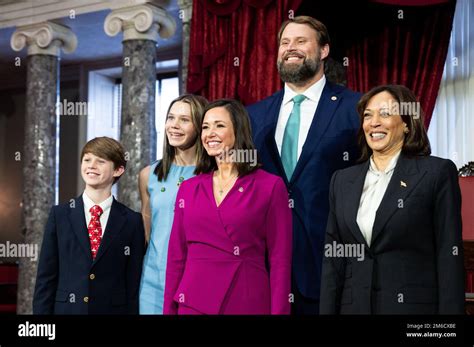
x=221, y=190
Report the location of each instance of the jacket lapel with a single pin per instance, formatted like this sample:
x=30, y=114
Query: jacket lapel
x=324, y=113
x=77, y=220
x=352, y=193
x=114, y=226
x=405, y=178
x=219, y=217
x=273, y=113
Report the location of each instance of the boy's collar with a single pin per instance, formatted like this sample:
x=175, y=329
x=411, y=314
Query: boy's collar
x=88, y=202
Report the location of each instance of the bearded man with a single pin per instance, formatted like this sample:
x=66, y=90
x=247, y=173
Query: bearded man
x=304, y=133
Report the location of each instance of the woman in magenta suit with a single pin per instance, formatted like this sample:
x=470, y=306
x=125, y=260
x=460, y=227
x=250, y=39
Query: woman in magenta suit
x=231, y=240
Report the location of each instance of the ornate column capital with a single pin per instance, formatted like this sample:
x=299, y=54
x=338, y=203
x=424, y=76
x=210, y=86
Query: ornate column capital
x=187, y=7
x=145, y=22
x=44, y=38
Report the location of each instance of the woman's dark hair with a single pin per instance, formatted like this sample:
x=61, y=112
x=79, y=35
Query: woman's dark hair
x=416, y=141
x=243, y=138
x=197, y=104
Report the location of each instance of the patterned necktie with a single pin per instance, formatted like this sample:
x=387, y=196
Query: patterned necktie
x=289, y=148
x=95, y=229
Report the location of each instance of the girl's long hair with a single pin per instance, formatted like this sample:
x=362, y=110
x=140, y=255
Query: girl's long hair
x=197, y=104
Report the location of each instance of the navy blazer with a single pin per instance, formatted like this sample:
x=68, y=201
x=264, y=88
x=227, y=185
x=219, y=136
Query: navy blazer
x=329, y=146
x=70, y=282
x=415, y=262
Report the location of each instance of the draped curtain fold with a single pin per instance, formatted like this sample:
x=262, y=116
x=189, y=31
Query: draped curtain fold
x=452, y=126
x=233, y=45
x=407, y=47
x=411, y=2
x=233, y=48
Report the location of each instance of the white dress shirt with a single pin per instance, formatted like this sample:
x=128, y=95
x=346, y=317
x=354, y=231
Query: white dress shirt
x=307, y=110
x=375, y=185
x=104, y=205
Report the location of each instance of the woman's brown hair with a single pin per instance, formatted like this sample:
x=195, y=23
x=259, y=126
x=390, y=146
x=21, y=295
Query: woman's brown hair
x=416, y=141
x=243, y=137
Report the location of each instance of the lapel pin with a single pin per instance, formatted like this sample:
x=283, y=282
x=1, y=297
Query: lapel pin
x=403, y=184
x=333, y=98
x=241, y=189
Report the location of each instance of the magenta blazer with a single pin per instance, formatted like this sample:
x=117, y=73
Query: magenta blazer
x=217, y=255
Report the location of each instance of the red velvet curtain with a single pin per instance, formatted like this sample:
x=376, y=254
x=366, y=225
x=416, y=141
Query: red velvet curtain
x=411, y=2
x=407, y=47
x=233, y=48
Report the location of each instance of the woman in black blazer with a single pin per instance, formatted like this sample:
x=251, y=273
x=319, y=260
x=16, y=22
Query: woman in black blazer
x=394, y=241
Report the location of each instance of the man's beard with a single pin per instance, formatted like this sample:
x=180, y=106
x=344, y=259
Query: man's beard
x=299, y=73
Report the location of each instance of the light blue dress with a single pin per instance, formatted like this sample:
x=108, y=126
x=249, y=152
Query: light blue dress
x=162, y=200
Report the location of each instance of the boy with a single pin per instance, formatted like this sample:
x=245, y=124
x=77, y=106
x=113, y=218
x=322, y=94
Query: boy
x=93, y=247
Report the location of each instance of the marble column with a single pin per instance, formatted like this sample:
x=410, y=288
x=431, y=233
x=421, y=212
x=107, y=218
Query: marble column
x=186, y=14
x=141, y=26
x=43, y=42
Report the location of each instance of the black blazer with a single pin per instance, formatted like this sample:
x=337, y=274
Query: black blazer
x=70, y=282
x=415, y=263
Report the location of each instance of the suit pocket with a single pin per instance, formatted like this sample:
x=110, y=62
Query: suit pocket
x=61, y=296
x=119, y=299
x=420, y=295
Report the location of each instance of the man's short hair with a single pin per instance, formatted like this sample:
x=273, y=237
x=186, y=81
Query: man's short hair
x=321, y=30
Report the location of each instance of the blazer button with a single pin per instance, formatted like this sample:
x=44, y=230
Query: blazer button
x=86, y=299
x=92, y=276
